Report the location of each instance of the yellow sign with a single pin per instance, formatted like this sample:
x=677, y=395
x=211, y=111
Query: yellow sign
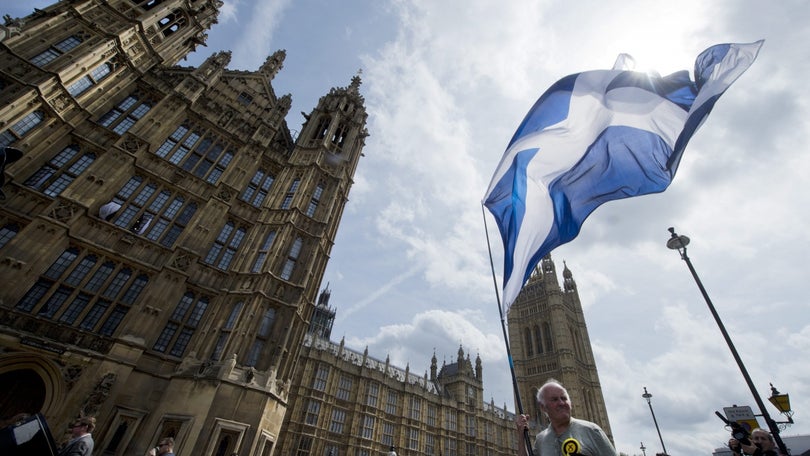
x=749, y=425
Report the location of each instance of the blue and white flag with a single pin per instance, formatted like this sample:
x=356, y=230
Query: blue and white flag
x=594, y=137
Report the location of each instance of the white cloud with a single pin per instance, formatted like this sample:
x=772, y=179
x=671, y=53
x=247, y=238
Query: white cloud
x=255, y=36
x=435, y=331
x=229, y=11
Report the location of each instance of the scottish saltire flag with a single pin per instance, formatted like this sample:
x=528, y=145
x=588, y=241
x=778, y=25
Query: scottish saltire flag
x=594, y=137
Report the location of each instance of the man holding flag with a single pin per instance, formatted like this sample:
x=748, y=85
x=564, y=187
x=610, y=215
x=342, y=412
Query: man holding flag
x=565, y=435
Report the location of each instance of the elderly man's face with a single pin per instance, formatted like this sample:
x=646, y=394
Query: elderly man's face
x=556, y=404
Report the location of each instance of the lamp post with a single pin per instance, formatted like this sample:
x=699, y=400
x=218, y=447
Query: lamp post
x=643, y=448
x=782, y=403
x=679, y=243
x=648, y=396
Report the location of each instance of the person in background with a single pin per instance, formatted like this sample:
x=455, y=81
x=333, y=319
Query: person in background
x=565, y=435
x=762, y=444
x=13, y=420
x=81, y=441
x=164, y=448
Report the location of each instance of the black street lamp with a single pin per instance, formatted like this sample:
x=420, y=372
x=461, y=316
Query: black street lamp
x=643, y=449
x=782, y=403
x=648, y=396
x=679, y=243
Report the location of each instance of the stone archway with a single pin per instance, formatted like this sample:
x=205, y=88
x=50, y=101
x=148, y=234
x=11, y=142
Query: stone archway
x=28, y=384
x=21, y=391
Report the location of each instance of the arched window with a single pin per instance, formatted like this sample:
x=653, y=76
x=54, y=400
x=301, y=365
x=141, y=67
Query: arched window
x=315, y=200
x=117, y=437
x=575, y=339
x=292, y=258
x=527, y=336
x=49, y=55
x=181, y=325
x=340, y=136
x=62, y=263
x=145, y=209
x=262, y=334
x=257, y=188
x=538, y=338
x=173, y=22
x=549, y=339
x=225, y=331
x=323, y=127
x=290, y=194
x=54, y=177
x=147, y=4
x=73, y=286
x=7, y=232
x=225, y=246
x=264, y=251
x=197, y=151
x=21, y=128
x=124, y=115
x=89, y=80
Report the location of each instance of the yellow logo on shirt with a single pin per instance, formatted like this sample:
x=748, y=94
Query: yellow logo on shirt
x=571, y=446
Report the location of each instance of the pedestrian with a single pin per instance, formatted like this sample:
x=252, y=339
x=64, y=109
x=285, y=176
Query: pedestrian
x=81, y=438
x=565, y=435
x=761, y=443
x=164, y=448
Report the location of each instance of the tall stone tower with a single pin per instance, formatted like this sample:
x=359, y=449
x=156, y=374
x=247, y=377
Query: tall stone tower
x=163, y=236
x=460, y=379
x=549, y=339
x=323, y=317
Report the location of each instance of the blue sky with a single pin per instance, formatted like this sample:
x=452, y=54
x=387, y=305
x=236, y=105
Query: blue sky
x=446, y=83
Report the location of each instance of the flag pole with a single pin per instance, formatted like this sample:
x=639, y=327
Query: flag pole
x=505, y=337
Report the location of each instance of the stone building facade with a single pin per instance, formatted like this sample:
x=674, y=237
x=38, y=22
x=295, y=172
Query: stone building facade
x=163, y=235
x=346, y=402
x=548, y=338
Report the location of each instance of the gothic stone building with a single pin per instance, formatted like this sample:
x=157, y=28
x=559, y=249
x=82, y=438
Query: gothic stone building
x=549, y=339
x=163, y=236
x=345, y=402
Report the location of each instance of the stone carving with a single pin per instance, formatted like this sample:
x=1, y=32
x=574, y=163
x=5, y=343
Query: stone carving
x=225, y=118
x=187, y=362
x=71, y=374
x=147, y=309
x=99, y=395
x=63, y=211
x=61, y=102
x=181, y=262
x=13, y=262
x=132, y=144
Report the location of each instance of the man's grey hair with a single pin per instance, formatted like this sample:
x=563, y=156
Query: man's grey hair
x=542, y=389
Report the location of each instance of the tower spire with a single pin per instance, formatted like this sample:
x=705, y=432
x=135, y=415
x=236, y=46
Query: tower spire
x=273, y=64
x=568, y=279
